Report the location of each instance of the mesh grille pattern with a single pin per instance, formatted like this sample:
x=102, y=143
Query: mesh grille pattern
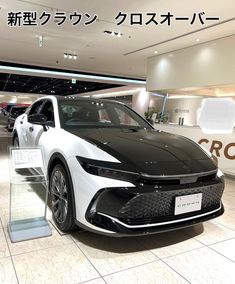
x=154, y=207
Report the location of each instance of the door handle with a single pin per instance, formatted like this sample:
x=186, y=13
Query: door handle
x=31, y=129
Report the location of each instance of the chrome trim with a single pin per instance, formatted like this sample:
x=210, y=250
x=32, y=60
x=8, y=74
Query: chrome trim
x=178, y=176
x=162, y=223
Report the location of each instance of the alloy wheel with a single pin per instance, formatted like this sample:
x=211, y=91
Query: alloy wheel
x=59, y=196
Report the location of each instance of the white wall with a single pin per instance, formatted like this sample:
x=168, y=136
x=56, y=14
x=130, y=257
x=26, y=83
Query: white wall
x=185, y=107
x=140, y=102
x=206, y=64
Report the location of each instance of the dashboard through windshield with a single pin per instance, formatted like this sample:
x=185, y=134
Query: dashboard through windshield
x=88, y=113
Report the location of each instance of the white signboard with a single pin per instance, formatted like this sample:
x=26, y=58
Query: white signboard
x=188, y=203
x=27, y=158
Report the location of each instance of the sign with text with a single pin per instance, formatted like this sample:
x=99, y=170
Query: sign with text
x=27, y=158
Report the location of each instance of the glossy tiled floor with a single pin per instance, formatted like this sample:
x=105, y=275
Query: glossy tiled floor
x=201, y=254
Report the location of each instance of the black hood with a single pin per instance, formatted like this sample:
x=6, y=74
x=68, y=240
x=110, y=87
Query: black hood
x=149, y=151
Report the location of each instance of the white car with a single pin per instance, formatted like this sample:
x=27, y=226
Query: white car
x=111, y=172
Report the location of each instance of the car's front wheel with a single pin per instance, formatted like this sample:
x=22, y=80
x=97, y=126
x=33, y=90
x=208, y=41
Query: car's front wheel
x=61, y=199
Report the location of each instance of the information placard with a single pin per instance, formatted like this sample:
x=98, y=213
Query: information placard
x=27, y=158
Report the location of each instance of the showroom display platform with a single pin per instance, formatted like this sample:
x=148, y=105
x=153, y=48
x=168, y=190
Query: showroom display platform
x=199, y=254
x=29, y=229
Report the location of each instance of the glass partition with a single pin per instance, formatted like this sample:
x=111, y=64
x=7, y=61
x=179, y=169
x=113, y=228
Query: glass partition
x=28, y=195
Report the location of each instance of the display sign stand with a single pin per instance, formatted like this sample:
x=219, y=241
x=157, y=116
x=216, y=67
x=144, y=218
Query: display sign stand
x=28, y=195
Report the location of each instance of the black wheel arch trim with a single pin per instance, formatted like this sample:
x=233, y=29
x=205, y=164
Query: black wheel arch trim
x=52, y=162
x=14, y=134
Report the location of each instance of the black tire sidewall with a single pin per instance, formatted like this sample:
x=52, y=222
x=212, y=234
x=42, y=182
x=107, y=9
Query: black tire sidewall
x=68, y=224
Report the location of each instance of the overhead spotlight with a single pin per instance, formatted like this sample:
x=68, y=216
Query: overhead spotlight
x=113, y=34
x=70, y=56
x=155, y=52
x=40, y=41
x=198, y=39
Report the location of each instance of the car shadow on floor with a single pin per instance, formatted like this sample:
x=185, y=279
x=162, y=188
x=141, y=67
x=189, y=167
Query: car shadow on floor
x=134, y=244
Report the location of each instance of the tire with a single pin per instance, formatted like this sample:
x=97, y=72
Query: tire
x=61, y=199
x=16, y=142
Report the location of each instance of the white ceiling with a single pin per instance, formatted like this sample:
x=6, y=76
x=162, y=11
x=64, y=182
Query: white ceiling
x=98, y=52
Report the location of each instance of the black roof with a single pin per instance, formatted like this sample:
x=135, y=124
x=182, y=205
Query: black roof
x=76, y=98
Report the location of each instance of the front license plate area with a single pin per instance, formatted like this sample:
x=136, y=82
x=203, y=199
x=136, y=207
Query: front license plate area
x=188, y=203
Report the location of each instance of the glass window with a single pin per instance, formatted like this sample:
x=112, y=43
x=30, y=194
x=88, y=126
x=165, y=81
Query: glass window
x=88, y=113
x=125, y=117
x=104, y=116
x=15, y=112
x=48, y=111
x=36, y=107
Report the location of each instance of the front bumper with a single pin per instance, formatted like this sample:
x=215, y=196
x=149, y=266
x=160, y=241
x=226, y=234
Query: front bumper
x=146, y=210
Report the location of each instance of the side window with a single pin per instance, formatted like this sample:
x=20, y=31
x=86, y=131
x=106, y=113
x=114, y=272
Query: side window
x=48, y=111
x=35, y=107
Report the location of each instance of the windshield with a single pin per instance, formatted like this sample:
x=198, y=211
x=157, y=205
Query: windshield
x=88, y=113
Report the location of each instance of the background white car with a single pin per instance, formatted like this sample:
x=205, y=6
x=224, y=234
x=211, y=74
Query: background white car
x=110, y=172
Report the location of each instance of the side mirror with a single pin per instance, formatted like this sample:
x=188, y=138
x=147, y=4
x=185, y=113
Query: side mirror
x=38, y=119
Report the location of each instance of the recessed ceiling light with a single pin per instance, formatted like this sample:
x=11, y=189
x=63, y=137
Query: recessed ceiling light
x=40, y=41
x=198, y=39
x=113, y=33
x=70, y=56
x=155, y=52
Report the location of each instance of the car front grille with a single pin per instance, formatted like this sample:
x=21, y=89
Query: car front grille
x=159, y=206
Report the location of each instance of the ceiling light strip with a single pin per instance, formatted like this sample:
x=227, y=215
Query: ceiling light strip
x=71, y=75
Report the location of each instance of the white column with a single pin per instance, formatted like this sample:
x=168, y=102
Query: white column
x=140, y=101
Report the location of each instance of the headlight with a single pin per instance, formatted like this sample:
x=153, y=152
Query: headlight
x=220, y=174
x=107, y=169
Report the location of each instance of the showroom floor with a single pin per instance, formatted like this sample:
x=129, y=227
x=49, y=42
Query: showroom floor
x=201, y=254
